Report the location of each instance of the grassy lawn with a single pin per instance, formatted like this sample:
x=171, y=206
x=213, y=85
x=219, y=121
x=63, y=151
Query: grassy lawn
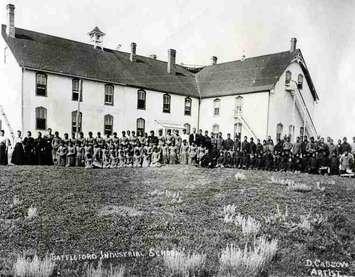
x=149, y=210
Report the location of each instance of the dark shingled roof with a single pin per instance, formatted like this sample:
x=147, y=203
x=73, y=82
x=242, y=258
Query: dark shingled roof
x=250, y=75
x=49, y=53
x=44, y=52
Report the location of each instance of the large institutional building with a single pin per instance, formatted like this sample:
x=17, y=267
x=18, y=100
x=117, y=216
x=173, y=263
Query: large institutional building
x=46, y=80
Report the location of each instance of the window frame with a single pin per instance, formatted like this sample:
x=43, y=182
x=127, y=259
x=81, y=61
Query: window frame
x=38, y=112
x=109, y=93
x=188, y=109
x=144, y=94
x=108, y=118
x=300, y=79
x=40, y=86
x=166, y=106
x=288, y=77
x=216, y=107
x=76, y=91
x=140, y=130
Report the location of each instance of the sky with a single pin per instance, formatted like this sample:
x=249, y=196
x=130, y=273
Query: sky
x=200, y=29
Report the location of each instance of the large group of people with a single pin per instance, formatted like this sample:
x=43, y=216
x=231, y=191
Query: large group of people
x=313, y=155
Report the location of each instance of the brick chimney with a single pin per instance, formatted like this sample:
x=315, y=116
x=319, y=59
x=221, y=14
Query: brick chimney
x=214, y=60
x=133, y=52
x=171, y=61
x=293, y=45
x=10, y=28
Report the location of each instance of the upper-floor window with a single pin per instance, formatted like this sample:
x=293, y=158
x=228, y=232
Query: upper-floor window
x=216, y=106
x=109, y=94
x=76, y=90
x=41, y=84
x=166, y=103
x=300, y=81
x=108, y=124
x=41, y=118
x=238, y=104
x=141, y=97
x=188, y=104
x=288, y=77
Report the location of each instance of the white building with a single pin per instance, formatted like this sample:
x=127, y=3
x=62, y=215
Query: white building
x=43, y=77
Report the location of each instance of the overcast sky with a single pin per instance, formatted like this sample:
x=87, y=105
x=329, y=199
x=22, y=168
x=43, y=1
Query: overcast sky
x=199, y=29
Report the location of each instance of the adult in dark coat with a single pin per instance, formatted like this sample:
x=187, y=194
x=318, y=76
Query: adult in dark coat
x=192, y=137
x=207, y=141
x=48, y=138
x=29, y=149
x=40, y=146
x=18, y=155
x=4, y=143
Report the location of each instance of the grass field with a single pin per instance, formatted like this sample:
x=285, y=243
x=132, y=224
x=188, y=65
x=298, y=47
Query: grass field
x=149, y=210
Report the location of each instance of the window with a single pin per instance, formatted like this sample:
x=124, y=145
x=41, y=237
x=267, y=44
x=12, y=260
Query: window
x=188, y=103
x=187, y=127
x=41, y=84
x=238, y=104
x=76, y=127
x=288, y=77
x=215, y=128
x=108, y=124
x=238, y=129
x=76, y=90
x=166, y=103
x=291, y=131
x=41, y=118
x=141, y=95
x=300, y=81
x=140, y=126
x=109, y=91
x=216, y=106
x=279, y=129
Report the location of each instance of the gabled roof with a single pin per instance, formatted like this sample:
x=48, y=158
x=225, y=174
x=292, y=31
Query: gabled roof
x=42, y=52
x=250, y=75
x=53, y=54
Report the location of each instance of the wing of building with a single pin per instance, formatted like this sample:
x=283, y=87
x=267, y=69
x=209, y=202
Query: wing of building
x=44, y=77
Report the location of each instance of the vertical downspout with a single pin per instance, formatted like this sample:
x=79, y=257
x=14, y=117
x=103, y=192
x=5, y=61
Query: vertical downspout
x=22, y=102
x=198, y=114
x=268, y=115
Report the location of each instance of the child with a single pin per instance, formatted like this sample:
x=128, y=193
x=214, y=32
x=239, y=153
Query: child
x=121, y=159
x=172, y=154
x=220, y=160
x=155, y=158
x=184, y=153
x=113, y=156
x=137, y=158
x=97, y=156
x=80, y=154
x=165, y=154
x=106, y=157
x=71, y=154
x=201, y=154
x=193, y=154
x=146, y=158
x=88, y=154
x=62, y=154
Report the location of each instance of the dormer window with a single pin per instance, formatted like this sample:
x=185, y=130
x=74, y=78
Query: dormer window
x=96, y=36
x=300, y=81
x=288, y=77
